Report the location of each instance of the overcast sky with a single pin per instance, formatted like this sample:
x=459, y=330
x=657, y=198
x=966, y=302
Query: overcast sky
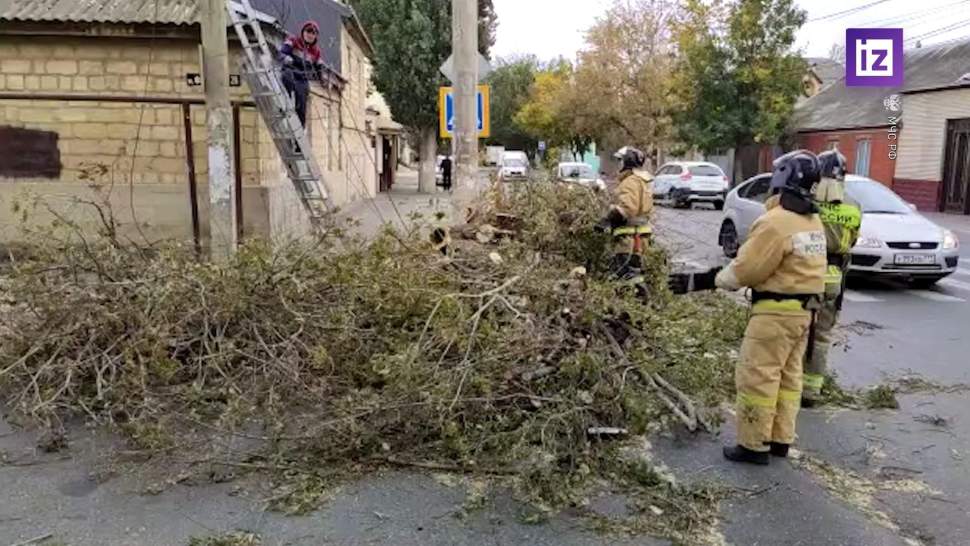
x=550, y=28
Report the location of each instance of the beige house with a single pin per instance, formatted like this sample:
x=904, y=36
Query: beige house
x=933, y=166
x=100, y=101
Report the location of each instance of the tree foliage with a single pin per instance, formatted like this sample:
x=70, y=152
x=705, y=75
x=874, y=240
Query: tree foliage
x=738, y=76
x=548, y=114
x=622, y=80
x=412, y=39
x=511, y=82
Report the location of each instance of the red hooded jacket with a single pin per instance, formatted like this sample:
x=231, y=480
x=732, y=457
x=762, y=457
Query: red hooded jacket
x=300, y=57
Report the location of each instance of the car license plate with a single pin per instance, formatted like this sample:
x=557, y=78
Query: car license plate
x=915, y=259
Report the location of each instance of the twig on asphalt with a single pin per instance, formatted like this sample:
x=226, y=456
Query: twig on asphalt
x=34, y=540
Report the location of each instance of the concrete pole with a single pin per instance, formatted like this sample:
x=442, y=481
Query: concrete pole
x=464, y=32
x=215, y=58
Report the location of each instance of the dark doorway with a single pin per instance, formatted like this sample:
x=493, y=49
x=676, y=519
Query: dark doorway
x=956, y=169
x=387, y=161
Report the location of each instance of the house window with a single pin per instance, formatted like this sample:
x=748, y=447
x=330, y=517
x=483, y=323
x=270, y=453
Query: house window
x=862, y=155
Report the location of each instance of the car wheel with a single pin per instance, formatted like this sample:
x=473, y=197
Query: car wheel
x=924, y=282
x=729, y=239
x=719, y=205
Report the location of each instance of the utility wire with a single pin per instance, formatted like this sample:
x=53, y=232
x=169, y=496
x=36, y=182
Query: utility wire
x=939, y=31
x=846, y=13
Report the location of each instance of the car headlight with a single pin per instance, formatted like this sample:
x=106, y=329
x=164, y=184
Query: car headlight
x=950, y=241
x=868, y=242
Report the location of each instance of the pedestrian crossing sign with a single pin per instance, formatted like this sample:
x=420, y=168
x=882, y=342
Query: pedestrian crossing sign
x=446, y=112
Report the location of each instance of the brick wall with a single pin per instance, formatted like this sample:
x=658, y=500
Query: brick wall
x=140, y=143
x=925, y=194
x=881, y=167
x=92, y=134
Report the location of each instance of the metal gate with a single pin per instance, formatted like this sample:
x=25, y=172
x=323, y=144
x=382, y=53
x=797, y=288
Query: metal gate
x=956, y=170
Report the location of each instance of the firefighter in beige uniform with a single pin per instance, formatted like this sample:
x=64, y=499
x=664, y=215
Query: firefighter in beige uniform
x=629, y=217
x=783, y=262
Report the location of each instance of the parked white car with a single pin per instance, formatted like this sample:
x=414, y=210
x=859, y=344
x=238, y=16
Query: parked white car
x=581, y=174
x=685, y=182
x=896, y=241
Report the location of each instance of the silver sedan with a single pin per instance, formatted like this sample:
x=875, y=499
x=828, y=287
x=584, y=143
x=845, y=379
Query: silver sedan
x=896, y=241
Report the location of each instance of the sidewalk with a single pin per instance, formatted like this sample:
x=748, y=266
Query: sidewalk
x=398, y=206
x=959, y=223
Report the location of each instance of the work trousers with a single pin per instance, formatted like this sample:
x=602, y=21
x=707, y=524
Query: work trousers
x=816, y=363
x=769, y=378
x=299, y=89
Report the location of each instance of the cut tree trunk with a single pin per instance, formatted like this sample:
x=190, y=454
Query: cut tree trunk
x=429, y=156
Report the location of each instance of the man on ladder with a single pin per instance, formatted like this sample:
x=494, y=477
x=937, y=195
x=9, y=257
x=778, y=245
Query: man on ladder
x=302, y=60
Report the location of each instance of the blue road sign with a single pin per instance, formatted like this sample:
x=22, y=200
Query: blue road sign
x=447, y=106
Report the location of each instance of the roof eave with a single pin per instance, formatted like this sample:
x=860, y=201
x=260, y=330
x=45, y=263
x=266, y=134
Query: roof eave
x=949, y=87
x=356, y=29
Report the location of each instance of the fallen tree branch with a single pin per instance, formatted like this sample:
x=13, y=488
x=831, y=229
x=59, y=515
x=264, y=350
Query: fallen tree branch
x=687, y=413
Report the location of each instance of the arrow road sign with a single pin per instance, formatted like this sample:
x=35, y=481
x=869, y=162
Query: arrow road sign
x=446, y=110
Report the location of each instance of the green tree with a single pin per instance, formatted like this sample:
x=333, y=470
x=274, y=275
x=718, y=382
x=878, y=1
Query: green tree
x=511, y=83
x=412, y=38
x=548, y=113
x=621, y=86
x=738, y=75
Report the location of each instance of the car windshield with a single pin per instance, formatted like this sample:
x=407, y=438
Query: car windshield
x=514, y=163
x=876, y=198
x=577, y=171
x=705, y=170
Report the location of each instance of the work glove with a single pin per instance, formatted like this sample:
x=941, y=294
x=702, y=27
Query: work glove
x=611, y=221
x=706, y=280
x=727, y=280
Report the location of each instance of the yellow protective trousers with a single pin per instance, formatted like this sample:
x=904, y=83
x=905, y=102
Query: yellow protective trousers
x=769, y=375
x=817, y=365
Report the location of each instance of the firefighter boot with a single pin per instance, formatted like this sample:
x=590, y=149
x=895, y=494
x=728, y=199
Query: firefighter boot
x=741, y=454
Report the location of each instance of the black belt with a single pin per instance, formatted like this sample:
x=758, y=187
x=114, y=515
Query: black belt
x=757, y=296
x=837, y=259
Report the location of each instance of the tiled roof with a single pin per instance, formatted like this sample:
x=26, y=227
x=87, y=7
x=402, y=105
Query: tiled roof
x=176, y=12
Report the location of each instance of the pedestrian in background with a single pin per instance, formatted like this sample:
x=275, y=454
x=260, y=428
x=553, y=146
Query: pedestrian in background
x=302, y=62
x=783, y=262
x=446, y=166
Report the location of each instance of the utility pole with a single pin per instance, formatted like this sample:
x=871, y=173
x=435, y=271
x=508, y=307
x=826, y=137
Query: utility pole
x=464, y=43
x=215, y=59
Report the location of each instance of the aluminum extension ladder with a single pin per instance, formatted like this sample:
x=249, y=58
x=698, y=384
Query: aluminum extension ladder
x=278, y=111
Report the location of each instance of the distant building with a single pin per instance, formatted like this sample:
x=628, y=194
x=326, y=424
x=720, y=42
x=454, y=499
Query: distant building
x=822, y=72
x=923, y=155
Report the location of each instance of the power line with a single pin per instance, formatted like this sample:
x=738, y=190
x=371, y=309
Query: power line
x=943, y=30
x=914, y=15
x=847, y=12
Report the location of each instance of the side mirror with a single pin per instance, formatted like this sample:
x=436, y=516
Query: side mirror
x=913, y=207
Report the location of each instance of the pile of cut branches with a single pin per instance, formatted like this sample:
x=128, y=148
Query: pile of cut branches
x=502, y=357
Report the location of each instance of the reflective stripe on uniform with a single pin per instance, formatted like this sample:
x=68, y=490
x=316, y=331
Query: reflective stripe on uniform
x=768, y=306
x=833, y=275
x=751, y=400
x=813, y=381
x=789, y=396
x=633, y=230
